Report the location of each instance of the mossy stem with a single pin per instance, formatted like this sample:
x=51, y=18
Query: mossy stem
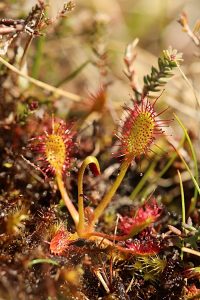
x=71, y=208
x=108, y=197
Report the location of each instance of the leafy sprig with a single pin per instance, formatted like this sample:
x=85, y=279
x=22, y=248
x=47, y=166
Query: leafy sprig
x=167, y=62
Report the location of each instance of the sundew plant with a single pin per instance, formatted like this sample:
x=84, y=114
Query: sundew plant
x=99, y=150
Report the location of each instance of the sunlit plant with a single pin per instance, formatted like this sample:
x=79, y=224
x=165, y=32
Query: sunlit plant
x=138, y=132
x=140, y=128
x=55, y=158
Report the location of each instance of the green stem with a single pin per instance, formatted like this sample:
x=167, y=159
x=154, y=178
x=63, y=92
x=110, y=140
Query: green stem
x=71, y=208
x=108, y=197
x=88, y=161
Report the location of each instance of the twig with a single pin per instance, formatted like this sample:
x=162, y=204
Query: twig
x=41, y=84
x=183, y=20
x=101, y=279
x=191, y=251
x=189, y=85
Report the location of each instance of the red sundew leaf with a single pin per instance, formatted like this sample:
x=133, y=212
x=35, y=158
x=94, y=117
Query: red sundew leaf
x=145, y=244
x=143, y=248
x=94, y=169
x=54, y=149
x=98, y=99
x=192, y=291
x=139, y=130
x=191, y=273
x=144, y=217
x=60, y=242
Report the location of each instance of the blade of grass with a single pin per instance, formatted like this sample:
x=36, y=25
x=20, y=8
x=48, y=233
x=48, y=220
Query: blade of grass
x=183, y=207
x=165, y=169
x=170, y=162
x=41, y=261
x=190, y=86
x=38, y=56
x=192, y=207
x=182, y=197
x=143, y=180
x=189, y=171
x=73, y=74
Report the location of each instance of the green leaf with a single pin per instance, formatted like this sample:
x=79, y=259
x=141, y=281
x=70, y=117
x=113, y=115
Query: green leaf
x=42, y=261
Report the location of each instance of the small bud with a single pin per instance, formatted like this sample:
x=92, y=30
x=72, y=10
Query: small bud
x=33, y=105
x=173, y=56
